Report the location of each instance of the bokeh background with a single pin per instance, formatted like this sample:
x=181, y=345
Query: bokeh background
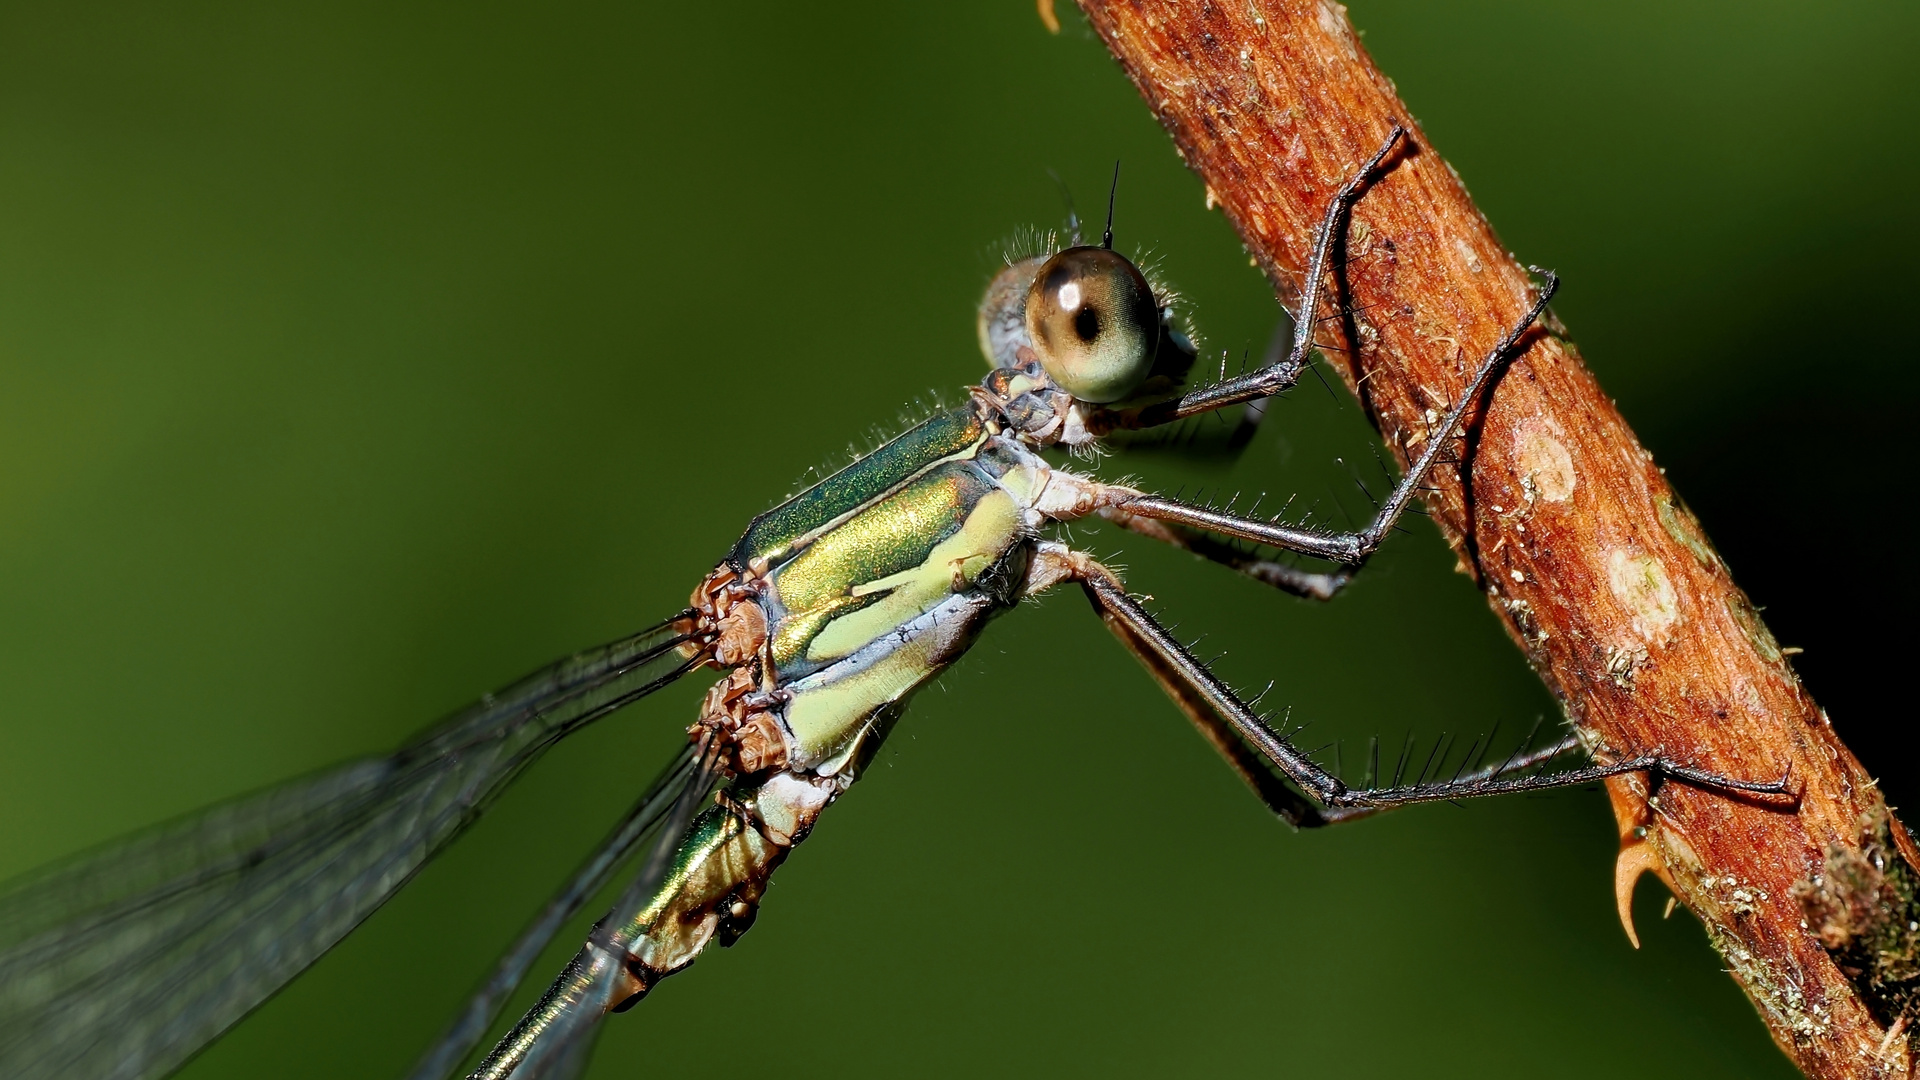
x=356, y=358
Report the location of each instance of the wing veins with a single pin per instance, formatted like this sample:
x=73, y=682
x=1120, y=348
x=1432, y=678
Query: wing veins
x=125, y=961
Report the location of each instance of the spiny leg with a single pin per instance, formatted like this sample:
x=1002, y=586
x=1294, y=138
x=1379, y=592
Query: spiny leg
x=1286, y=803
x=1127, y=507
x=1171, y=660
x=1277, y=377
x=1267, y=786
x=1311, y=584
x=1231, y=442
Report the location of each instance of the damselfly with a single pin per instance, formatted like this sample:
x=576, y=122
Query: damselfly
x=826, y=616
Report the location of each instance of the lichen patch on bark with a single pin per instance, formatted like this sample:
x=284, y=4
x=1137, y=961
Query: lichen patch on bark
x=1864, y=906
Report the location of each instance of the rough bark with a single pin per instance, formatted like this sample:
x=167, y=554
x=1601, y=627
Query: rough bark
x=1598, y=571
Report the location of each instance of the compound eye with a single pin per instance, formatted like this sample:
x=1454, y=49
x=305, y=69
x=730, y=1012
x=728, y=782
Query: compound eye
x=1093, y=323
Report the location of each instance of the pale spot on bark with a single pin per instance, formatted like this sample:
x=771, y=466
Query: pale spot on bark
x=1467, y=255
x=1544, y=461
x=1333, y=22
x=1642, y=587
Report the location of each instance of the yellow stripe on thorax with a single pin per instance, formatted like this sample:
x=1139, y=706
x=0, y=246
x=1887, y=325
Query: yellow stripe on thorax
x=954, y=564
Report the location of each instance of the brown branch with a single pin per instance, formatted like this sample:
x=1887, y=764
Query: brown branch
x=1597, y=570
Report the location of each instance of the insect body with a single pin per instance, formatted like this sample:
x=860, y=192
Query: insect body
x=827, y=614
x=838, y=604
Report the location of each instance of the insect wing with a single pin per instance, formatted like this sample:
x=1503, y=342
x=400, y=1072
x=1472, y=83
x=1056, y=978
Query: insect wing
x=124, y=962
x=571, y=1063
x=555, y=1037
x=460, y=1038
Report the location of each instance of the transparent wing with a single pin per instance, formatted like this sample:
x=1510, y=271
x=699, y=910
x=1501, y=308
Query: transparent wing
x=126, y=961
x=461, y=1036
x=572, y=1062
x=554, y=1040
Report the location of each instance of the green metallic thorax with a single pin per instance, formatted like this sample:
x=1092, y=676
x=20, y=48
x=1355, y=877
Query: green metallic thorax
x=775, y=533
x=885, y=540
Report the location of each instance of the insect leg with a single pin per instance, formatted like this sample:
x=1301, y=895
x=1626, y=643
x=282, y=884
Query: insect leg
x=1279, y=376
x=1253, y=770
x=1173, y=662
x=1312, y=584
x=1286, y=803
x=1352, y=549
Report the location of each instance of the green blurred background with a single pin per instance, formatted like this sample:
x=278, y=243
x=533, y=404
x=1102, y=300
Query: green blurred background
x=355, y=359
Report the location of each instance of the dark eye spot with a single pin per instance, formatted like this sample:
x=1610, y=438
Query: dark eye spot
x=1086, y=323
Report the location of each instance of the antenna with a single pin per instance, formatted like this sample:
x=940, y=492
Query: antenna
x=1106, y=238
x=1066, y=196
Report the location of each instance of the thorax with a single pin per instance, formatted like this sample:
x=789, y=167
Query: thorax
x=941, y=520
x=873, y=580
